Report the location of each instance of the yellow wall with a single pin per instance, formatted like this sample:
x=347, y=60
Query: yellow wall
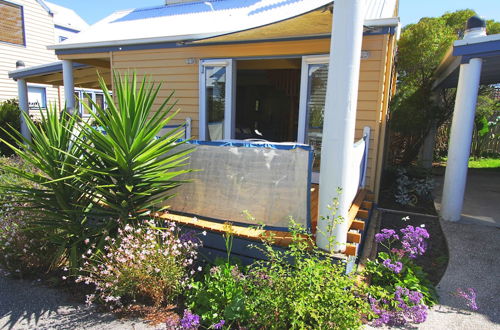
x=169, y=66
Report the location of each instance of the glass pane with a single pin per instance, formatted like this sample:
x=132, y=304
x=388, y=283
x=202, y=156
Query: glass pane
x=318, y=76
x=77, y=101
x=99, y=100
x=86, y=100
x=215, y=82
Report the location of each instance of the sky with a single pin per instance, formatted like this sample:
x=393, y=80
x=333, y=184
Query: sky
x=410, y=11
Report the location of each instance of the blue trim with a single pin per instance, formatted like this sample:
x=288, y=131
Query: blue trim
x=479, y=49
x=65, y=28
x=466, y=58
x=43, y=70
x=44, y=6
x=189, y=43
x=23, y=27
x=251, y=144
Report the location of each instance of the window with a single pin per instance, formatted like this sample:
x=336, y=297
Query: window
x=85, y=97
x=11, y=23
x=37, y=98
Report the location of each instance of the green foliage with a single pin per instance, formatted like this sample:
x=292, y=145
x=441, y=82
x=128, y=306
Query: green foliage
x=57, y=200
x=412, y=277
x=9, y=120
x=301, y=287
x=145, y=262
x=127, y=167
x=87, y=183
x=414, y=109
x=22, y=250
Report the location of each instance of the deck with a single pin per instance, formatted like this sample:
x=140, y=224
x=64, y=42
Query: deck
x=358, y=216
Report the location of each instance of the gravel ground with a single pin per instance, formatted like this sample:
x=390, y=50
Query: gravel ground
x=29, y=305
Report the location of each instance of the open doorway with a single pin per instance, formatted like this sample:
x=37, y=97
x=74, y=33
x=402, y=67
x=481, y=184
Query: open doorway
x=267, y=99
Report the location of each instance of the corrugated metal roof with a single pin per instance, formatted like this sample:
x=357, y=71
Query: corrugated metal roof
x=201, y=19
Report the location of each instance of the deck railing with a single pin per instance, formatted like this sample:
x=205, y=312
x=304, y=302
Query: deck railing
x=359, y=165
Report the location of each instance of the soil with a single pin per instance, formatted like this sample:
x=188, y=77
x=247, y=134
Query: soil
x=435, y=260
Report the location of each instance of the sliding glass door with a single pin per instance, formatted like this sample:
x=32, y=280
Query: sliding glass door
x=216, y=99
x=312, y=106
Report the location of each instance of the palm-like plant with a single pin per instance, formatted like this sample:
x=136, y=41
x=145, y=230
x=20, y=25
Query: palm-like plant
x=131, y=169
x=57, y=199
x=88, y=183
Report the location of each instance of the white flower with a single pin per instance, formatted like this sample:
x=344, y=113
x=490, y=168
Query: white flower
x=199, y=268
x=422, y=225
x=406, y=218
x=204, y=233
x=64, y=277
x=86, y=241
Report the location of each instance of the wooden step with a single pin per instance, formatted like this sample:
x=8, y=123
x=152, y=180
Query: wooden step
x=353, y=237
x=362, y=214
x=358, y=224
x=367, y=205
x=351, y=250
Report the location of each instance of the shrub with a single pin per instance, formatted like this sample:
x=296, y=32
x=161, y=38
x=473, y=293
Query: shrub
x=311, y=292
x=22, y=250
x=9, y=121
x=411, y=188
x=144, y=262
x=400, y=291
x=89, y=184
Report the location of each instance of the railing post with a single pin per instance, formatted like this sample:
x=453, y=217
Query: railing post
x=366, y=137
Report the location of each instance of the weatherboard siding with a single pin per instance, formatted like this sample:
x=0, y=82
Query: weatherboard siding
x=169, y=67
x=39, y=33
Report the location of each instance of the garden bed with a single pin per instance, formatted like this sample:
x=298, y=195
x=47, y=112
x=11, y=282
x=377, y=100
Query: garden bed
x=435, y=260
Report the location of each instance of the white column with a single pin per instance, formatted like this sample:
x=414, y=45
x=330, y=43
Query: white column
x=461, y=128
x=69, y=86
x=22, y=92
x=460, y=140
x=340, y=117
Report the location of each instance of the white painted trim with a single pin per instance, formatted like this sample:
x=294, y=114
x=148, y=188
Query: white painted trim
x=230, y=101
x=394, y=21
x=304, y=90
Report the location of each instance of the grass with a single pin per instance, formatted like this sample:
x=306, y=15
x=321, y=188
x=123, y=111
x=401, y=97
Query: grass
x=484, y=163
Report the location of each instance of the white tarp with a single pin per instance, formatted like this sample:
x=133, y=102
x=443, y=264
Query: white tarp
x=272, y=184
x=355, y=170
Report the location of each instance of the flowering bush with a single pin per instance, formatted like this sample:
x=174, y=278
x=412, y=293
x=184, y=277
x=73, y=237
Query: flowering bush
x=400, y=290
x=144, y=262
x=21, y=250
x=311, y=292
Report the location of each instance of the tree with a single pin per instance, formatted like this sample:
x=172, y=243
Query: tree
x=415, y=107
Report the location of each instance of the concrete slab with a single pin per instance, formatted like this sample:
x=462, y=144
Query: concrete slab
x=482, y=197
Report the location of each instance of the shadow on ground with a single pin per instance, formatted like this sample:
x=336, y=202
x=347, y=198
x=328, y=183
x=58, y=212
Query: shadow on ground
x=27, y=305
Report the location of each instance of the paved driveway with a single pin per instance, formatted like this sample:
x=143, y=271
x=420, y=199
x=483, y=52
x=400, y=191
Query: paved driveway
x=482, y=197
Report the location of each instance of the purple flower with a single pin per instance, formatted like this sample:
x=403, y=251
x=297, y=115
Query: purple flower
x=385, y=234
x=413, y=241
x=396, y=267
x=218, y=325
x=470, y=298
x=190, y=320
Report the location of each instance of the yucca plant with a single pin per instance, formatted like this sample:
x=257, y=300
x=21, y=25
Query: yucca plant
x=90, y=182
x=57, y=199
x=131, y=168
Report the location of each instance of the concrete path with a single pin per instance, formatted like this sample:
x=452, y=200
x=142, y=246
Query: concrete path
x=482, y=196
x=29, y=305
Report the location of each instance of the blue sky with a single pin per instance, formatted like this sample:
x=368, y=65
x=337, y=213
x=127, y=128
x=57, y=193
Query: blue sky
x=410, y=10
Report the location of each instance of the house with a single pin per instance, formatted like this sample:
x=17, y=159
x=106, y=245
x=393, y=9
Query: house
x=27, y=28
x=256, y=70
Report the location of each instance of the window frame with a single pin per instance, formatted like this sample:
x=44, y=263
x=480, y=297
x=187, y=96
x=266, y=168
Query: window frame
x=23, y=25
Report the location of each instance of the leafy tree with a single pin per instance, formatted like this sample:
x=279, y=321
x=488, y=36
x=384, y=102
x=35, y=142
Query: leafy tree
x=415, y=107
